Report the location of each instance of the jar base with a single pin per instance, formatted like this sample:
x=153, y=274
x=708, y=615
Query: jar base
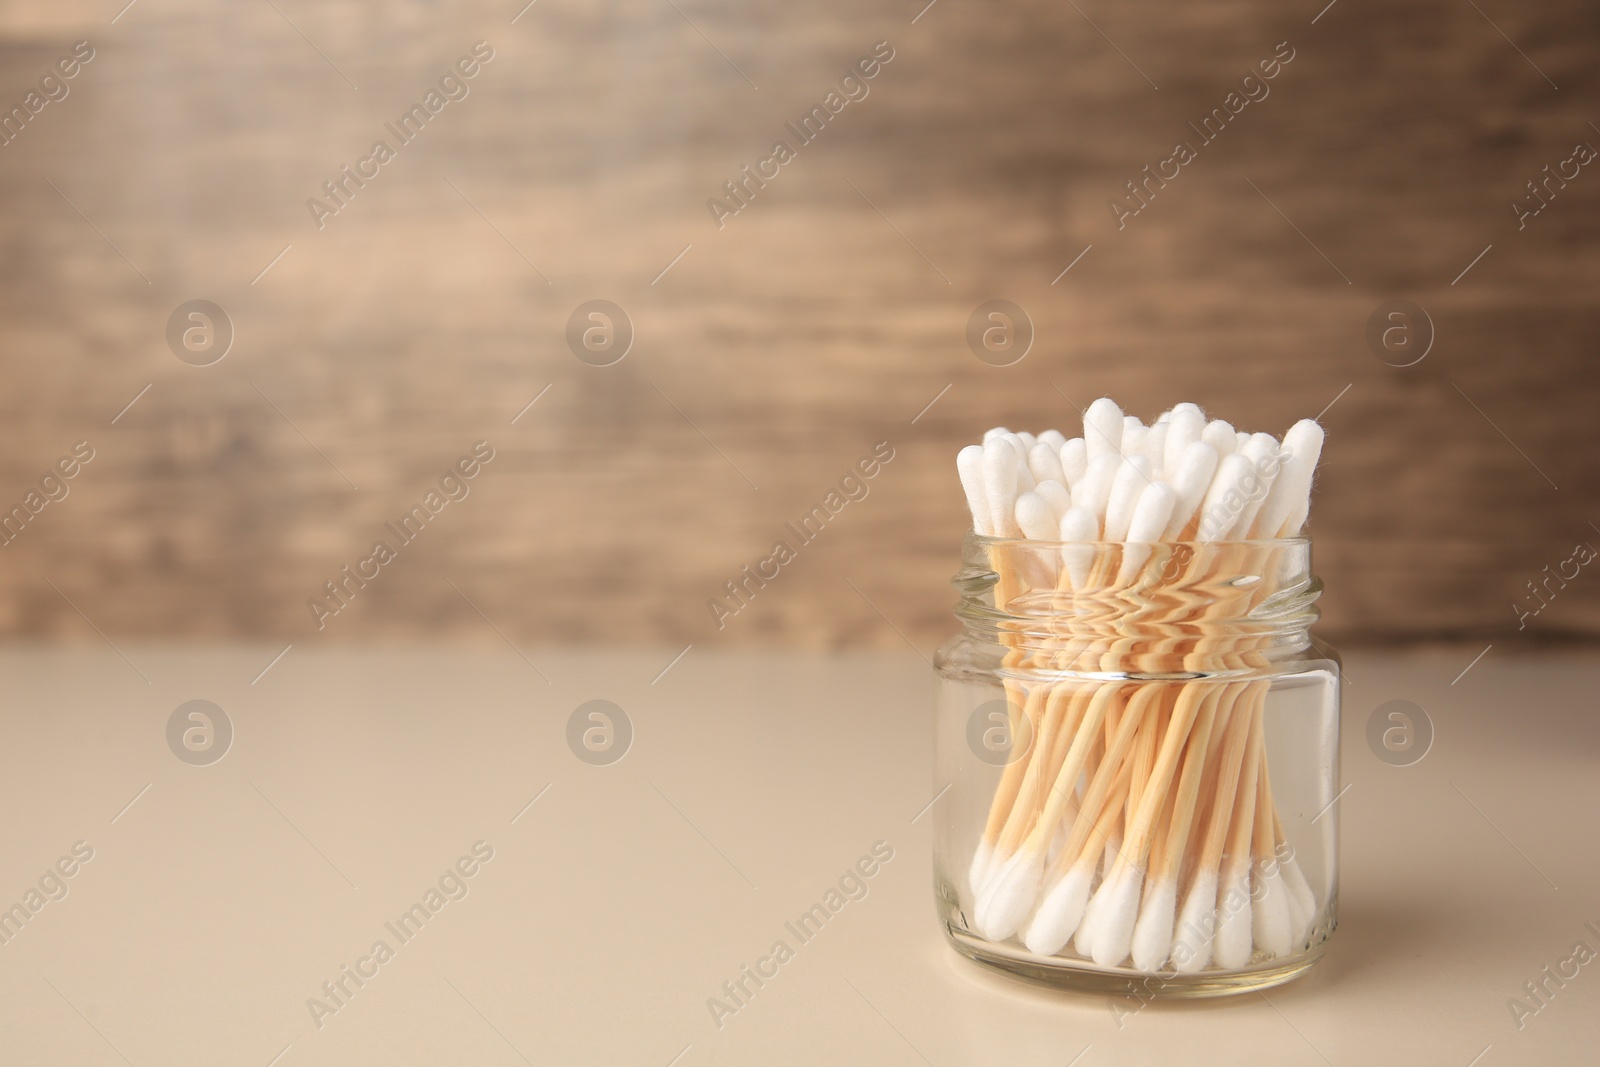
x=1081, y=977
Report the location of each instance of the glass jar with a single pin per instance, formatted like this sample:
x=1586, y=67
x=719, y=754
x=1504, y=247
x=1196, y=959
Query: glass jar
x=1142, y=747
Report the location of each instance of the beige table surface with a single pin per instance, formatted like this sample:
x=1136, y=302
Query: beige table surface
x=220, y=898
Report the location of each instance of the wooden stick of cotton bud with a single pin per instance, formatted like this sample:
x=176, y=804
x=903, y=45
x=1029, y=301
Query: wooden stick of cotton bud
x=1152, y=933
x=1015, y=888
x=971, y=463
x=1109, y=919
x=1197, y=917
x=1235, y=921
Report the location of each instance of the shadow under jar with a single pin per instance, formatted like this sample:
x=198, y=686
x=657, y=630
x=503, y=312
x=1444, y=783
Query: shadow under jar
x=1142, y=747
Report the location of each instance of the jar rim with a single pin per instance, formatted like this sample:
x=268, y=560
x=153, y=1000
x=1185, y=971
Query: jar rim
x=1222, y=598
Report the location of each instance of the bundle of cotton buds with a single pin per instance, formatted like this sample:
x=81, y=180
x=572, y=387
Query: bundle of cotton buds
x=1181, y=478
x=1141, y=825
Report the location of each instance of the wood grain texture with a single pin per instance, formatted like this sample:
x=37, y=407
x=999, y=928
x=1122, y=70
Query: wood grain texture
x=820, y=319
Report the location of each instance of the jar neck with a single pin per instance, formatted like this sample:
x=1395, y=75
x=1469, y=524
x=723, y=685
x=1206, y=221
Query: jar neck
x=1165, y=608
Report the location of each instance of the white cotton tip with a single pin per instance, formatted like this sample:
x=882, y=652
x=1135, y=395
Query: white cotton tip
x=1133, y=434
x=1054, y=438
x=1196, y=467
x=1102, y=428
x=1154, y=448
x=1272, y=924
x=1091, y=491
x=1089, y=926
x=1074, y=460
x=1194, y=937
x=1058, y=496
x=1220, y=435
x=1234, y=922
x=1298, y=458
x=1000, y=485
x=1183, y=430
x=999, y=863
x=1036, y=518
x=978, y=873
x=1306, y=438
x=1219, y=511
x=1299, y=921
x=1045, y=464
x=1117, y=918
x=1262, y=452
x=1028, y=440
x=1151, y=513
x=1059, y=913
x=1262, y=448
x=1149, y=523
x=1163, y=418
x=1080, y=528
x=1240, y=439
x=1020, y=450
x=1078, y=524
x=1295, y=880
x=1009, y=896
x=1152, y=933
x=969, y=464
x=1131, y=479
x=989, y=435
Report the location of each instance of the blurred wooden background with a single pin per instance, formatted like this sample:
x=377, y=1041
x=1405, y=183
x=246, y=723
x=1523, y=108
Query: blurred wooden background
x=776, y=350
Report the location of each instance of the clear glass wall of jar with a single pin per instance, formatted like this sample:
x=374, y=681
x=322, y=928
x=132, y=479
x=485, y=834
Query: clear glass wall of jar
x=1141, y=744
